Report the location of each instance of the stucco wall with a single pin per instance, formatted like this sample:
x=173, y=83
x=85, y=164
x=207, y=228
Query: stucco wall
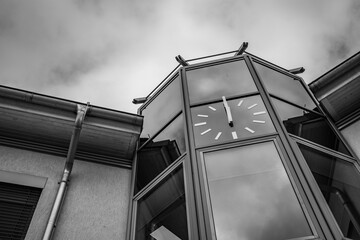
x=352, y=136
x=36, y=164
x=96, y=204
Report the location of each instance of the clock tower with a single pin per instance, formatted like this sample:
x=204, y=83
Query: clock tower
x=228, y=151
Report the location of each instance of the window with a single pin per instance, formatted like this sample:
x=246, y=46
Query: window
x=285, y=87
x=339, y=182
x=308, y=125
x=162, y=108
x=160, y=152
x=251, y=195
x=17, y=205
x=213, y=82
x=161, y=213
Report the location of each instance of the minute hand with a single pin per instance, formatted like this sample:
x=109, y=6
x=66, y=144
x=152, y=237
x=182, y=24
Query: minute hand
x=228, y=112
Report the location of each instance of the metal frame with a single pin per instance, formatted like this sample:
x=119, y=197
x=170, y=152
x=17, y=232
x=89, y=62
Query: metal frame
x=200, y=225
x=150, y=186
x=284, y=139
x=317, y=103
x=321, y=201
x=275, y=140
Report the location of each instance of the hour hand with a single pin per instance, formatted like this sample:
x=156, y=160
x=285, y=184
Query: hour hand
x=228, y=112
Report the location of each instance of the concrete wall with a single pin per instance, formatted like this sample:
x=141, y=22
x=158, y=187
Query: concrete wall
x=96, y=204
x=352, y=136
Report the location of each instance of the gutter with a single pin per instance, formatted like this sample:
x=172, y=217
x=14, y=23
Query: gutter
x=60, y=196
x=330, y=80
x=68, y=105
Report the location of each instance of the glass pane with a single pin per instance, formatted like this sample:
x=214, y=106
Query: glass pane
x=165, y=106
x=161, y=213
x=285, y=87
x=352, y=136
x=213, y=82
x=159, y=153
x=339, y=182
x=249, y=115
x=251, y=195
x=309, y=126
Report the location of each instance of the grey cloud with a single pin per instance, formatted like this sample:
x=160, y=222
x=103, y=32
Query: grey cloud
x=47, y=44
x=74, y=66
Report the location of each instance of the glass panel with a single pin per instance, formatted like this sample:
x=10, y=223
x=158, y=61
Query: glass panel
x=213, y=82
x=309, y=126
x=161, y=213
x=352, y=136
x=285, y=87
x=249, y=116
x=159, y=153
x=251, y=195
x=339, y=182
x=165, y=106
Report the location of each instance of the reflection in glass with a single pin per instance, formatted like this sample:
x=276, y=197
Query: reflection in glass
x=250, y=118
x=285, y=87
x=160, y=152
x=162, y=211
x=164, y=106
x=213, y=82
x=339, y=182
x=309, y=126
x=251, y=195
x=352, y=136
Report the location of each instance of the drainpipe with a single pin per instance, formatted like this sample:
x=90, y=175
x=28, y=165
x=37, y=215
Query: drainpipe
x=81, y=112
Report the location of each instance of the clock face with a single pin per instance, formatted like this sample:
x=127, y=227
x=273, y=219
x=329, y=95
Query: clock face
x=230, y=120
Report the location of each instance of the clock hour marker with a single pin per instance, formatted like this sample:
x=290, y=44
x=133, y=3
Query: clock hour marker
x=206, y=131
x=218, y=135
x=249, y=129
x=200, y=115
x=234, y=135
x=258, y=121
x=259, y=113
x=254, y=105
x=239, y=104
x=199, y=124
x=212, y=108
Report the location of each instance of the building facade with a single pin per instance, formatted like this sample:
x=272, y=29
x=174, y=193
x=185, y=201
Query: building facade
x=231, y=148
x=37, y=135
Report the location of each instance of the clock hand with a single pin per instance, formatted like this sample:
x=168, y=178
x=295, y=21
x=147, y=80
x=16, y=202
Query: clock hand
x=228, y=112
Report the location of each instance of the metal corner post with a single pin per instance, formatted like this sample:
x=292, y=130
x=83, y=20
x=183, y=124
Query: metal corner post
x=81, y=112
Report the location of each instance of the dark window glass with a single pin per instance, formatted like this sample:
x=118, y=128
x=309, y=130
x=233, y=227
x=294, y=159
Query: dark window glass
x=161, y=213
x=251, y=195
x=285, y=87
x=249, y=115
x=17, y=206
x=213, y=82
x=160, y=152
x=309, y=126
x=164, y=106
x=339, y=182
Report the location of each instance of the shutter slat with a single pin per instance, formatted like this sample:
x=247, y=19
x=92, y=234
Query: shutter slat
x=17, y=205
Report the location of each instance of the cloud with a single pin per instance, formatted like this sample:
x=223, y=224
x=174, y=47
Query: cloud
x=90, y=49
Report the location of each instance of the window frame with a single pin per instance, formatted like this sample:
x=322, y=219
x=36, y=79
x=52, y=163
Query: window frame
x=25, y=180
x=211, y=233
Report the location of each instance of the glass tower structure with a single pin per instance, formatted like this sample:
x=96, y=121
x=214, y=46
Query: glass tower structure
x=238, y=148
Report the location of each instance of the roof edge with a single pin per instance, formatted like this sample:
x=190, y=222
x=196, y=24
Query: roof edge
x=69, y=105
x=333, y=74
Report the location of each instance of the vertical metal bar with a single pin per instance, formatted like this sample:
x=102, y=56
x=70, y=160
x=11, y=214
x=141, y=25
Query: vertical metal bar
x=60, y=196
x=195, y=212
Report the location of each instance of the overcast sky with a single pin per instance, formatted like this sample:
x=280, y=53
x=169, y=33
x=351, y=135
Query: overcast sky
x=108, y=52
